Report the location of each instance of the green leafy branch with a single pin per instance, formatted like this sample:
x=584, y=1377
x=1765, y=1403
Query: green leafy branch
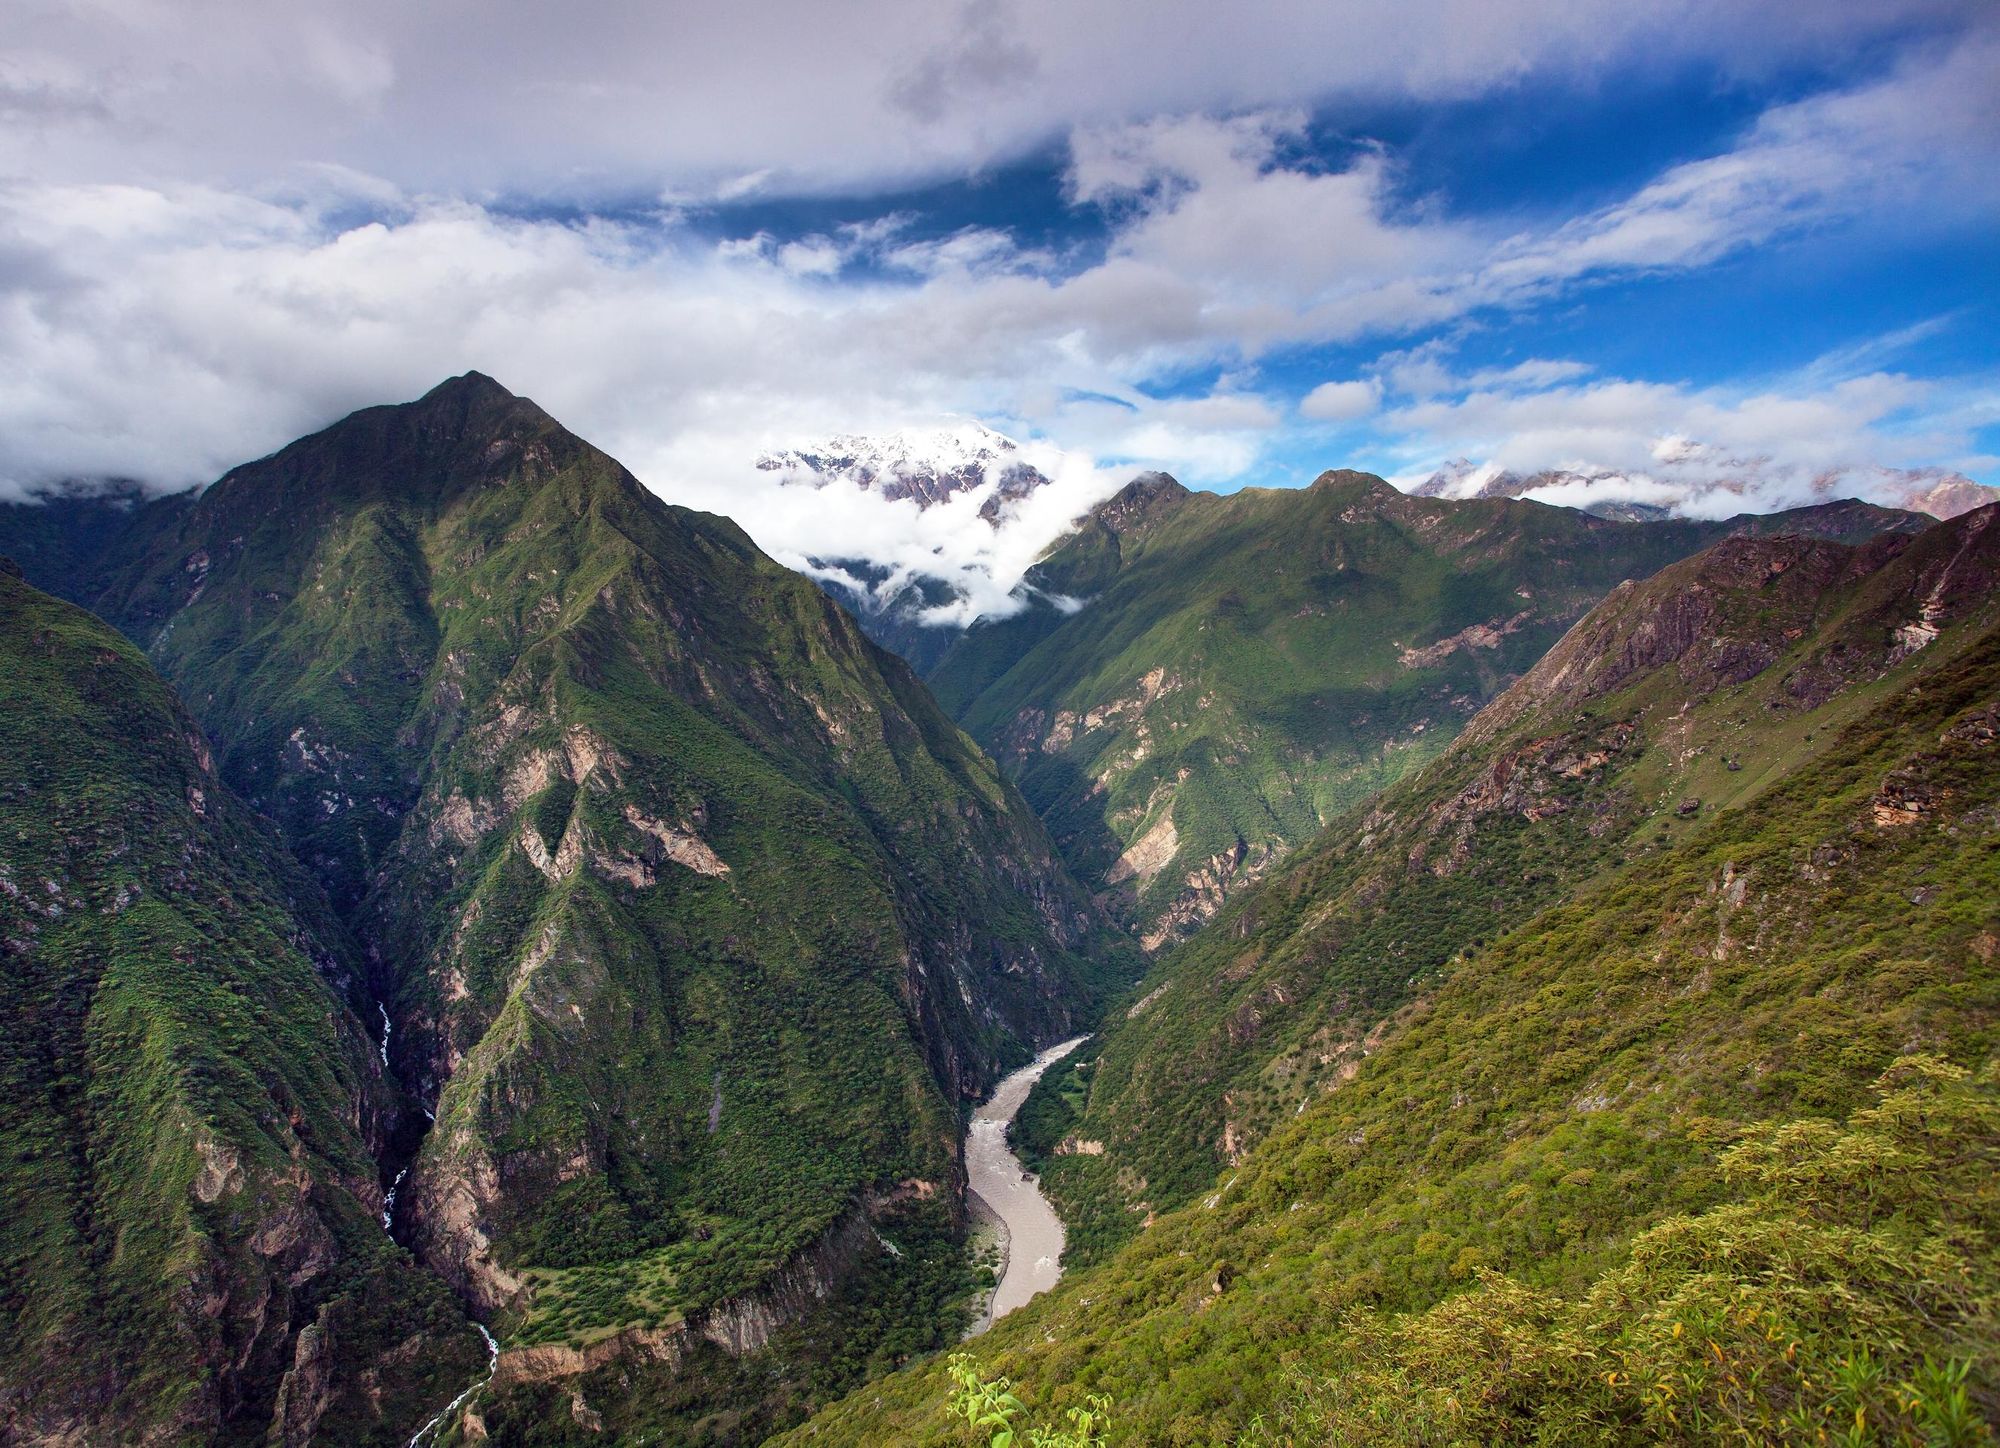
x=990, y=1408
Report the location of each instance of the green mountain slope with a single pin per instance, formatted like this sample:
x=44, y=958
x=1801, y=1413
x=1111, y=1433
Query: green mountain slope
x=1249, y=666
x=189, y=1243
x=1469, y=1037
x=1677, y=698
x=64, y=539
x=696, y=919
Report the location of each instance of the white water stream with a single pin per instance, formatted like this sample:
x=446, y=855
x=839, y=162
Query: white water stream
x=389, y=1199
x=431, y=1428
x=1032, y=1233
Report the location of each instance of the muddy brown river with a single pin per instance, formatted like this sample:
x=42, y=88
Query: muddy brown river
x=1031, y=1233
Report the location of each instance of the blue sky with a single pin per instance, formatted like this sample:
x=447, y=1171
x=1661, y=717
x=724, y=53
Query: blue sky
x=1745, y=245
x=1875, y=289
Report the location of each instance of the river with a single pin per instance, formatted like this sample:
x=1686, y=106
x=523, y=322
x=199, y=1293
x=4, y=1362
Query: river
x=1031, y=1234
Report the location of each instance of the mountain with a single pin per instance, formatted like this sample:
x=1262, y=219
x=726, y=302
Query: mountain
x=912, y=607
x=927, y=466
x=694, y=918
x=1627, y=1074
x=1689, y=477
x=1726, y=670
x=1243, y=668
x=190, y=1105
x=62, y=537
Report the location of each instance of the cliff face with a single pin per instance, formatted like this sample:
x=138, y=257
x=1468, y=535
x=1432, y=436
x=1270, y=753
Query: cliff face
x=693, y=917
x=189, y=1103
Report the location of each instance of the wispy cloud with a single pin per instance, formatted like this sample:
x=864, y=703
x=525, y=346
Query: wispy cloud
x=1775, y=444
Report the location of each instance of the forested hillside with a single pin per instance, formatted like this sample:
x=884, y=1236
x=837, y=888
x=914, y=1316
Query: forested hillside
x=189, y=1100
x=1575, y=1069
x=692, y=919
x=1203, y=681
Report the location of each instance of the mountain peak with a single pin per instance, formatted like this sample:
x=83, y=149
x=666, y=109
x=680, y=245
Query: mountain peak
x=467, y=385
x=1142, y=494
x=1349, y=478
x=925, y=465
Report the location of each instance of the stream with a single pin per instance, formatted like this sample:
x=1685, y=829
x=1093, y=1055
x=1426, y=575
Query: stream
x=430, y=1430
x=1031, y=1233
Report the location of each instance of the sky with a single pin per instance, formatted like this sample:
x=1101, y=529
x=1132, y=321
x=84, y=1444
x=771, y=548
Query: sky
x=1243, y=243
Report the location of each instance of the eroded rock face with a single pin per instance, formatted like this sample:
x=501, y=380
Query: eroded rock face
x=681, y=844
x=1146, y=856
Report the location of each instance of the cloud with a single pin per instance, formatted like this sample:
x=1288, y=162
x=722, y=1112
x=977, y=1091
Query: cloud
x=1341, y=401
x=1617, y=423
x=1921, y=137
x=948, y=541
x=517, y=97
x=1707, y=450
x=173, y=328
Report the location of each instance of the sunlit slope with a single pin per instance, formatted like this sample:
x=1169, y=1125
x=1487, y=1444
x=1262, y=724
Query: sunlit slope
x=1243, y=668
x=1525, y=1094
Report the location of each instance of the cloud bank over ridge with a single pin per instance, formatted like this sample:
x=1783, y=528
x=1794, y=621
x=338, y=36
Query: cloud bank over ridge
x=206, y=249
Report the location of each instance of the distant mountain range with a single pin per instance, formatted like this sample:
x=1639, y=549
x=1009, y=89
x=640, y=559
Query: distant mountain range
x=1688, y=482
x=928, y=466
x=919, y=612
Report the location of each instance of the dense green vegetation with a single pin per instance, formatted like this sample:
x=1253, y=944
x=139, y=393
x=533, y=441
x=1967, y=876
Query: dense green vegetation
x=187, y=1101
x=695, y=917
x=992, y=1412
x=890, y=1308
x=1682, y=697
x=1591, y=1103
x=1250, y=666
x=66, y=540
x=1622, y=1064
x=1843, y=1292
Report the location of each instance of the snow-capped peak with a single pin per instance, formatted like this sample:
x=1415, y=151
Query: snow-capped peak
x=1692, y=478
x=925, y=464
